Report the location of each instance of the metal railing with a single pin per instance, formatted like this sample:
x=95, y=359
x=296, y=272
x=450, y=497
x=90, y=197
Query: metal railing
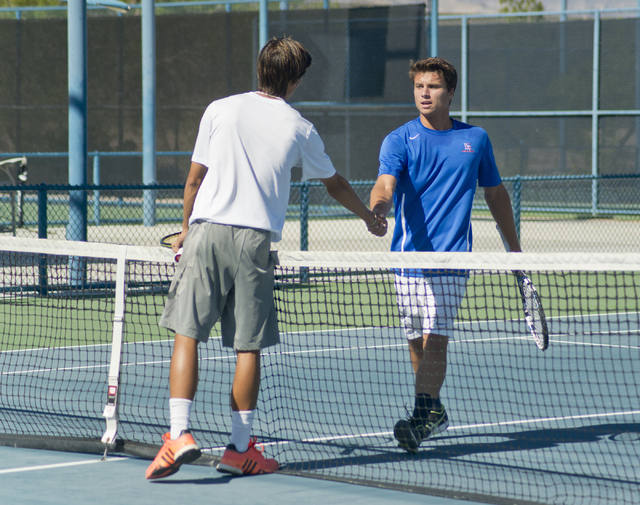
x=44, y=206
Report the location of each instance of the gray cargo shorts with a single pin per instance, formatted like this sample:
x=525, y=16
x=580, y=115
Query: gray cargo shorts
x=225, y=273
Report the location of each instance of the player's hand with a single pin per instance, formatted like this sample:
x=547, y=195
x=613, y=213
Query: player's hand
x=378, y=226
x=177, y=244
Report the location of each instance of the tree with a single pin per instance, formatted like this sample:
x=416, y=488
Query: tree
x=28, y=3
x=521, y=6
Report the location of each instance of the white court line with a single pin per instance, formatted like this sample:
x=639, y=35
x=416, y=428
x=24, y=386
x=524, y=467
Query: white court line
x=553, y=341
x=451, y=428
x=334, y=349
x=61, y=369
x=592, y=344
x=471, y=426
x=90, y=346
x=546, y=420
x=597, y=315
x=58, y=465
x=318, y=351
x=359, y=329
x=315, y=351
x=38, y=349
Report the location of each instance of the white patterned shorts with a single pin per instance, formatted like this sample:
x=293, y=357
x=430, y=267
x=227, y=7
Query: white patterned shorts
x=429, y=304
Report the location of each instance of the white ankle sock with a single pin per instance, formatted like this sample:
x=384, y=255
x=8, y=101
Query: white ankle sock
x=179, y=411
x=241, y=423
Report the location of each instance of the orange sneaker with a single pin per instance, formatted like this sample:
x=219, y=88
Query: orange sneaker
x=250, y=462
x=173, y=454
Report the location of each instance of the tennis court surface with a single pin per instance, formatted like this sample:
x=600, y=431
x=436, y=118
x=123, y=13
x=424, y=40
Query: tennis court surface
x=58, y=478
x=83, y=361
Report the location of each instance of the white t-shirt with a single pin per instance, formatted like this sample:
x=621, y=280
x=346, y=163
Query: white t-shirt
x=249, y=143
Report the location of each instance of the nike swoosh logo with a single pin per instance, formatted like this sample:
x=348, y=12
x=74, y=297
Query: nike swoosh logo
x=411, y=138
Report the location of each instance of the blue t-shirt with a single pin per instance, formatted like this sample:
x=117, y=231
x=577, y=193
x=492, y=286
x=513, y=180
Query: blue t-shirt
x=437, y=173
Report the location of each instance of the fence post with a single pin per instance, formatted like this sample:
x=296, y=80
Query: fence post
x=304, y=226
x=42, y=213
x=517, y=202
x=594, y=112
x=96, y=192
x=304, y=216
x=42, y=233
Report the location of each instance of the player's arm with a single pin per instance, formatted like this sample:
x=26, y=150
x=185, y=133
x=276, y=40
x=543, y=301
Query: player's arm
x=191, y=187
x=497, y=198
x=340, y=190
x=381, y=199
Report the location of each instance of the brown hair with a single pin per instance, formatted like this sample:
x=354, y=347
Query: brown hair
x=442, y=67
x=281, y=61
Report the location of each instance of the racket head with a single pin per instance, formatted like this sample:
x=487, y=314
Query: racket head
x=533, y=311
x=168, y=240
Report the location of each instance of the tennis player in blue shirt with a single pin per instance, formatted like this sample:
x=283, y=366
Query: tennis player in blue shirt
x=429, y=170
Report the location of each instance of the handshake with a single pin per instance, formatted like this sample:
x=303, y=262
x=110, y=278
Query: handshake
x=378, y=226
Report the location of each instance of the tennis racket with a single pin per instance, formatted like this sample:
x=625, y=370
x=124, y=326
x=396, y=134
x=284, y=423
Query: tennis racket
x=532, y=305
x=168, y=240
x=533, y=312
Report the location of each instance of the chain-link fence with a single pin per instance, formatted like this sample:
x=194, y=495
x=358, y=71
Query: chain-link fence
x=553, y=214
x=559, y=96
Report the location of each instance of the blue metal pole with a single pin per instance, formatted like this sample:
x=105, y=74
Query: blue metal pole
x=434, y=28
x=263, y=33
x=149, y=109
x=77, y=54
x=77, y=73
x=595, y=103
x=637, y=86
x=464, y=68
x=562, y=151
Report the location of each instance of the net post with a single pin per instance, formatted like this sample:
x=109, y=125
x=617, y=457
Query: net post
x=111, y=408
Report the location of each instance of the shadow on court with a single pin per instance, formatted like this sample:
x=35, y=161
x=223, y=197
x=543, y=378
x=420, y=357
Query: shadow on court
x=224, y=479
x=516, y=441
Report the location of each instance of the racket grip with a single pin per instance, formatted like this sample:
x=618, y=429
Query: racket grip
x=176, y=257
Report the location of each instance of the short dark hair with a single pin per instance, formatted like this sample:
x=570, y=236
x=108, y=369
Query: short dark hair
x=281, y=61
x=438, y=65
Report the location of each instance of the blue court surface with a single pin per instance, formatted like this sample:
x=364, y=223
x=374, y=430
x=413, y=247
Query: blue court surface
x=519, y=417
x=525, y=426
x=29, y=476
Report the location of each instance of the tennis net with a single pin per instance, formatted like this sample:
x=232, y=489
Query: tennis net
x=84, y=366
